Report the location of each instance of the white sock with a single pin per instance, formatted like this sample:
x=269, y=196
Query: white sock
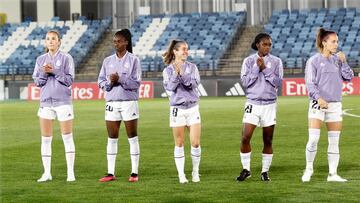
x=245, y=160
x=179, y=157
x=266, y=162
x=134, y=154
x=111, y=150
x=69, y=153
x=46, y=153
x=195, y=157
x=311, y=148
x=333, y=151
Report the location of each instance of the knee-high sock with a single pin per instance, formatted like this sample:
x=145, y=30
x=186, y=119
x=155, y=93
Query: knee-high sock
x=311, y=148
x=333, y=151
x=134, y=154
x=69, y=152
x=266, y=162
x=195, y=157
x=111, y=150
x=245, y=160
x=179, y=157
x=46, y=153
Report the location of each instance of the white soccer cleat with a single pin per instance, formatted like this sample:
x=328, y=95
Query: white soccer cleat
x=307, y=175
x=183, y=180
x=335, y=178
x=44, y=178
x=70, y=178
x=195, y=177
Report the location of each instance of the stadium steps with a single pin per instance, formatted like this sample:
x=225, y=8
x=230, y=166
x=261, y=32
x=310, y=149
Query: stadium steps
x=230, y=63
x=90, y=68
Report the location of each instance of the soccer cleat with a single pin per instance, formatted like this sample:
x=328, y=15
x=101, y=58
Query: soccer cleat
x=243, y=175
x=335, y=178
x=307, y=175
x=195, y=177
x=70, y=178
x=183, y=180
x=265, y=176
x=134, y=177
x=44, y=178
x=107, y=178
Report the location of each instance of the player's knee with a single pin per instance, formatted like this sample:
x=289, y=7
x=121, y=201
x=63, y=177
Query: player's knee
x=132, y=134
x=195, y=145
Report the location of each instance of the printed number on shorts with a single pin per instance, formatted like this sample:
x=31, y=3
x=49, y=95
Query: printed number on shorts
x=109, y=108
x=315, y=105
x=248, y=108
x=175, y=111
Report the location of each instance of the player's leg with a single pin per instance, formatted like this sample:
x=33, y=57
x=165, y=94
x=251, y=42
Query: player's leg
x=267, y=152
x=112, y=119
x=333, y=121
x=65, y=116
x=245, y=150
x=46, y=128
x=315, y=119
x=179, y=154
x=131, y=130
x=195, y=133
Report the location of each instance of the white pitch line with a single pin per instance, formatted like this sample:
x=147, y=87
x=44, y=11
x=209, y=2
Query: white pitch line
x=349, y=114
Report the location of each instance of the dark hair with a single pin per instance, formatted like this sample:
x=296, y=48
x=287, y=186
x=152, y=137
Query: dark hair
x=55, y=32
x=321, y=36
x=127, y=35
x=169, y=54
x=258, y=39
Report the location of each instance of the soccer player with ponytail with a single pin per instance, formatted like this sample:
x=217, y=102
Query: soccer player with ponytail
x=54, y=74
x=181, y=79
x=324, y=75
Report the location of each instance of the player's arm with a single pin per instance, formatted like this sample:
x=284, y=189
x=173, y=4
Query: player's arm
x=249, y=73
x=310, y=80
x=39, y=76
x=170, y=81
x=191, y=80
x=134, y=80
x=346, y=72
x=103, y=83
x=274, y=77
x=67, y=76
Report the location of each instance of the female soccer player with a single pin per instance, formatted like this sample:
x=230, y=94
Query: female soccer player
x=120, y=77
x=181, y=79
x=325, y=72
x=54, y=74
x=261, y=75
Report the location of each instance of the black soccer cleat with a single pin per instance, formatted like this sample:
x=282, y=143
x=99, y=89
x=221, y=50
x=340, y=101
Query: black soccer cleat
x=265, y=176
x=243, y=175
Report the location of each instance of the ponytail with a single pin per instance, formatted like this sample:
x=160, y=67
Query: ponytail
x=321, y=36
x=169, y=55
x=127, y=35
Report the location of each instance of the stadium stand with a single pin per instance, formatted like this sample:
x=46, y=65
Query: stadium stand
x=294, y=33
x=208, y=36
x=20, y=44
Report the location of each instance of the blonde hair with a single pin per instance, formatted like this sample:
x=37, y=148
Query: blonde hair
x=55, y=32
x=169, y=55
x=322, y=35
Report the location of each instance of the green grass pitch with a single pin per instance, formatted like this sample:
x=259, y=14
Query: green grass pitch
x=220, y=163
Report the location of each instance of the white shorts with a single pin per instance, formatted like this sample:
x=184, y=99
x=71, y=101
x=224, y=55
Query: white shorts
x=63, y=112
x=184, y=117
x=332, y=114
x=260, y=115
x=121, y=110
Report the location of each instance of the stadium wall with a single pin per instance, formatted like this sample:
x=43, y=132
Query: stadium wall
x=227, y=87
x=124, y=12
